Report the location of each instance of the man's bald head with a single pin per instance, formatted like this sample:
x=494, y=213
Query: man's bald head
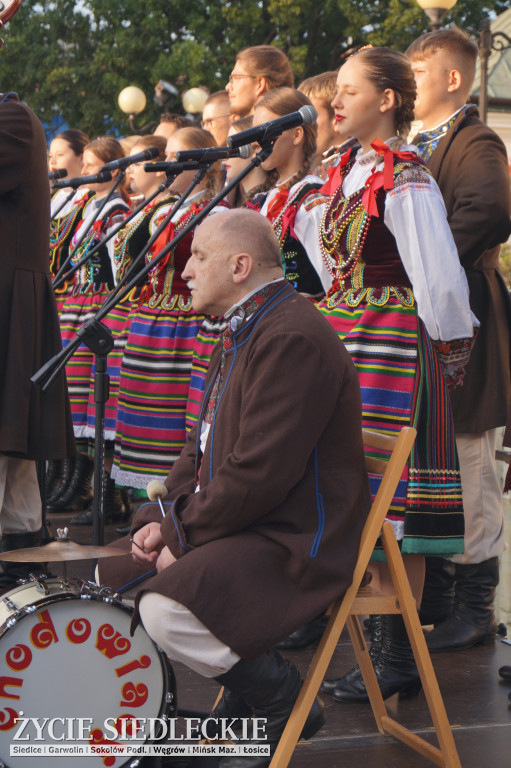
x=233, y=253
x=245, y=230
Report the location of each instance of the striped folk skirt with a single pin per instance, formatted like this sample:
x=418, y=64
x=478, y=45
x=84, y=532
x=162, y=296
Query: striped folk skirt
x=161, y=386
x=81, y=368
x=402, y=384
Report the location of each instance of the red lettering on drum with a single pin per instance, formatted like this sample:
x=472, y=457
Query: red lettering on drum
x=8, y=719
x=43, y=634
x=18, y=657
x=78, y=631
x=11, y=681
x=98, y=737
x=110, y=642
x=135, y=695
x=142, y=663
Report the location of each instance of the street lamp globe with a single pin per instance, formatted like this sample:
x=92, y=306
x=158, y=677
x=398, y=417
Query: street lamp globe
x=132, y=100
x=194, y=100
x=436, y=10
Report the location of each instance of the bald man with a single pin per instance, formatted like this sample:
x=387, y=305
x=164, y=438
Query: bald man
x=265, y=506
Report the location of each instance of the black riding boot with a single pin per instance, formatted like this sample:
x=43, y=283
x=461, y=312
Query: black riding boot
x=472, y=621
x=116, y=505
x=269, y=685
x=393, y=663
x=11, y=572
x=438, y=595
x=79, y=489
x=63, y=473
x=379, y=629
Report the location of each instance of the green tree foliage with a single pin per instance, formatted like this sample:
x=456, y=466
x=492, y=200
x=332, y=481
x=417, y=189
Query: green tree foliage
x=68, y=59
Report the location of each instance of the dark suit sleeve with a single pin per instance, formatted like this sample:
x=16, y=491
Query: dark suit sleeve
x=480, y=216
x=16, y=137
x=289, y=393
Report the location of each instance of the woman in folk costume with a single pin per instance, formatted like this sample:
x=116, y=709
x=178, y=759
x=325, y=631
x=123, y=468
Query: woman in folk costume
x=399, y=301
x=169, y=345
x=127, y=244
x=66, y=152
x=257, y=183
x=92, y=281
x=295, y=205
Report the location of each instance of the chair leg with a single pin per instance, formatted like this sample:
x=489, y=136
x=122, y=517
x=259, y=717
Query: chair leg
x=367, y=669
x=420, y=650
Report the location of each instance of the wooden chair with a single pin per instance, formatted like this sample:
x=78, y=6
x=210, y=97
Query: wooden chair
x=367, y=600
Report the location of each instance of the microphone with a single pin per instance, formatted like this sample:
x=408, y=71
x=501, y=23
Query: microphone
x=270, y=131
x=97, y=178
x=171, y=167
x=210, y=154
x=157, y=491
x=58, y=173
x=124, y=162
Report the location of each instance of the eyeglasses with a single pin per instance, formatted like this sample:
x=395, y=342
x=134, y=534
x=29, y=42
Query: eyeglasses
x=211, y=120
x=234, y=77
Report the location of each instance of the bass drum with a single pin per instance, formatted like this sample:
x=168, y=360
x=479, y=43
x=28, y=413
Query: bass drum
x=66, y=656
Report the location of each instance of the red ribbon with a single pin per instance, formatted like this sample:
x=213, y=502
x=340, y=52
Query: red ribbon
x=334, y=175
x=277, y=204
x=377, y=179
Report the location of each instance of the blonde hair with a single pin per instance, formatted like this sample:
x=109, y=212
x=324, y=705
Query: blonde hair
x=283, y=101
x=322, y=87
x=268, y=62
x=196, y=138
x=389, y=69
x=160, y=142
x=455, y=43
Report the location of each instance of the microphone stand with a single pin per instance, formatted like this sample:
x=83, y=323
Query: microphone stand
x=84, y=235
x=62, y=279
x=66, y=201
x=99, y=340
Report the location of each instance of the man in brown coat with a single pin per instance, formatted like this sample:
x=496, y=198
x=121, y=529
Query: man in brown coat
x=266, y=503
x=470, y=164
x=33, y=425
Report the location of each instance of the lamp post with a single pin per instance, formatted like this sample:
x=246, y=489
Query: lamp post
x=488, y=41
x=132, y=101
x=436, y=10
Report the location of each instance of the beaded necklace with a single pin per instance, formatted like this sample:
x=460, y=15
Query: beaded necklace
x=344, y=217
x=121, y=258
x=163, y=293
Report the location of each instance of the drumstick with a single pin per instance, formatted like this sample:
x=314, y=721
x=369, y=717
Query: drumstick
x=156, y=491
x=138, y=545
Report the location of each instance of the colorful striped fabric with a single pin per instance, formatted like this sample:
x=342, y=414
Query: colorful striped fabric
x=161, y=385
x=80, y=369
x=402, y=384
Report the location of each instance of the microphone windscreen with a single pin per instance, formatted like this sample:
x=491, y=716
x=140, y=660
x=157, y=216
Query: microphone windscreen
x=156, y=488
x=246, y=152
x=309, y=114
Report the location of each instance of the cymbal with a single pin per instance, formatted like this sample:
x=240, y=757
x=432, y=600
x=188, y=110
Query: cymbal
x=60, y=551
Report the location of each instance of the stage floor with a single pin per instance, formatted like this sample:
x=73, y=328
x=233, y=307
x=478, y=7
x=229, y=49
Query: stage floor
x=475, y=697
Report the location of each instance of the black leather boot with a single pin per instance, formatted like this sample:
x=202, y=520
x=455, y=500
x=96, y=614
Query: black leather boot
x=393, y=663
x=472, y=621
x=63, y=471
x=379, y=629
x=438, y=595
x=115, y=508
x=10, y=573
x=78, y=493
x=269, y=685
x=304, y=636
